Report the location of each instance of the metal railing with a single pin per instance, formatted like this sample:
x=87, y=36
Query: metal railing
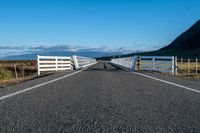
x=165, y=64
x=53, y=63
x=128, y=62
x=82, y=62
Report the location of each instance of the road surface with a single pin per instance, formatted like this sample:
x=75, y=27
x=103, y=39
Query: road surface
x=102, y=98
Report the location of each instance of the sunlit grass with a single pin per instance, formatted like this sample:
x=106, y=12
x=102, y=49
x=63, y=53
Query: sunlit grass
x=5, y=74
x=191, y=67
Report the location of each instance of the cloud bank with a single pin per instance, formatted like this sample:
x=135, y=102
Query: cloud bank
x=67, y=50
x=6, y=51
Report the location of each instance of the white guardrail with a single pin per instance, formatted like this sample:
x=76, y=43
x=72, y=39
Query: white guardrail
x=54, y=63
x=165, y=64
x=82, y=62
x=128, y=62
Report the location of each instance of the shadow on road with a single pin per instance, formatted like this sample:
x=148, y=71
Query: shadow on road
x=102, y=66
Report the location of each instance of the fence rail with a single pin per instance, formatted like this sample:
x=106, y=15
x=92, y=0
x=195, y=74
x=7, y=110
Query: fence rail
x=82, y=62
x=164, y=64
x=157, y=63
x=125, y=62
x=54, y=63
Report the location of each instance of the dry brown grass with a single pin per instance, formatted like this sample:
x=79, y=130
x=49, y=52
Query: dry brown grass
x=25, y=69
x=11, y=81
x=184, y=68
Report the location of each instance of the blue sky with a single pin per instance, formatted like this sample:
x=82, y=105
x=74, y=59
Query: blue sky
x=107, y=25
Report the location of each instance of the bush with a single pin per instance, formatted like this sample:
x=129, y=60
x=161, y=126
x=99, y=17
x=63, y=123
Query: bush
x=4, y=74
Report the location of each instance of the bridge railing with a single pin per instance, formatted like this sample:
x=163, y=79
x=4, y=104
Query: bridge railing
x=53, y=63
x=125, y=62
x=82, y=62
x=165, y=64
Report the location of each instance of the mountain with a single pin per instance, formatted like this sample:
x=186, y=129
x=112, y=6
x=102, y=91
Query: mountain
x=185, y=45
x=33, y=56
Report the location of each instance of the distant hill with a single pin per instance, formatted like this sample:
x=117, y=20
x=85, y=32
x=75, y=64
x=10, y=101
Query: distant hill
x=33, y=56
x=185, y=45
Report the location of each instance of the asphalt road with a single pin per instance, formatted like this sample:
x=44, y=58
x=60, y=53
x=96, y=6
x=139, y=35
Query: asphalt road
x=102, y=98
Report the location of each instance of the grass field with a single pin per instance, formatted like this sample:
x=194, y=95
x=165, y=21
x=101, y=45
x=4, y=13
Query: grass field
x=24, y=69
x=190, y=69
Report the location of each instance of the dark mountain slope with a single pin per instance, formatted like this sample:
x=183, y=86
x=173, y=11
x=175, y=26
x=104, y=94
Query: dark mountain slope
x=185, y=45
x=189, y=40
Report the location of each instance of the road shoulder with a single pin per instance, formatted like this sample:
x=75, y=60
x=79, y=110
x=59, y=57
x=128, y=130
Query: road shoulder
x=31, y=82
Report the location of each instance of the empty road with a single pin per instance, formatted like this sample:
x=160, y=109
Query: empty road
x=102, y=98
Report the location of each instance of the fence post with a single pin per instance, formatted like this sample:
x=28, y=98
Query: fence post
x=38, y=64
x=16, y=75
x=188, y=65
x=56, y=64
x=196, y=66
x=71, y=63
x=175, y=65
x=133, y=62
x=75, y=62
x=153, y=59
x=139, y=63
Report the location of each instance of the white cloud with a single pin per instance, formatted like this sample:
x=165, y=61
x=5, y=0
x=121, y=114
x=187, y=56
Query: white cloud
x=18, y=50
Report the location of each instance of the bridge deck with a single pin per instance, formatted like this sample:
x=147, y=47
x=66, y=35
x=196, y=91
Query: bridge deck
x=102, y=98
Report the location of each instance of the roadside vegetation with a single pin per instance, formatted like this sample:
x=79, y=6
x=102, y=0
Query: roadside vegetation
x=5, y=74
x=12, y=72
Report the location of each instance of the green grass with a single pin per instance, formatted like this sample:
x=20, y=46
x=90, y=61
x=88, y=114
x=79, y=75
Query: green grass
x=4, y=74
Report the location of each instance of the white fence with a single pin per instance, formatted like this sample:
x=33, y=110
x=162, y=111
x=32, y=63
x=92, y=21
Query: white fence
x=164, y=64
x=54, y=63
x=82, y=62
x=128, y=62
